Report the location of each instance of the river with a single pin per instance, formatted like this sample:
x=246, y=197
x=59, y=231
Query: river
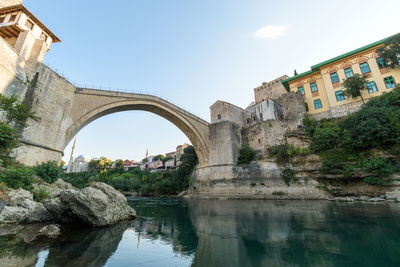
x=225, y=233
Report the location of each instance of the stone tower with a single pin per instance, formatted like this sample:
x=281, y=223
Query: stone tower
x=24, y=33
x=71, y=159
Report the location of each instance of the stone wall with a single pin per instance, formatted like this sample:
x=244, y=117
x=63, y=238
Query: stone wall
x=225, y=142
x=271, y=90
x=321, y=115
x=265, y=134
x=256, y=180
x=346, y=109
x=273, y=132
x=224, y=111
x=51, y=98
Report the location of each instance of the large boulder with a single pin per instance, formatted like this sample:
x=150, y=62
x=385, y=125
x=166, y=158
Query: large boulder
x=97, y=205
x=55, y=188
x=22, y=209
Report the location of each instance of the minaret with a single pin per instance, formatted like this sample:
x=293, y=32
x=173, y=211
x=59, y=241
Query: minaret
x=71, y=159
x=147, y=153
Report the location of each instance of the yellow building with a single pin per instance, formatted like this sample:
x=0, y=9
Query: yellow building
x=322, y=85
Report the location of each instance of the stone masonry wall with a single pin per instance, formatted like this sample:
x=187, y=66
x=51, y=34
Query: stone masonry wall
x=344, y=110
x=272, y=90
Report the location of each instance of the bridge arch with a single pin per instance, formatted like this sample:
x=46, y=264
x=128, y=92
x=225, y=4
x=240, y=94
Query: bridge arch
x=89, y=105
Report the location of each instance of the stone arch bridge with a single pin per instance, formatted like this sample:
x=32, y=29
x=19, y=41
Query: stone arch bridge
x=65, y=109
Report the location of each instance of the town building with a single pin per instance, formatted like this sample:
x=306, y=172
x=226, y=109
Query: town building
x=80, y=164
x=322, y=86
x=130, y=164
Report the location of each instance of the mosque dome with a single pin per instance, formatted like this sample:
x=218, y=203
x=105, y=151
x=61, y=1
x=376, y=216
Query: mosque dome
x=81, y=158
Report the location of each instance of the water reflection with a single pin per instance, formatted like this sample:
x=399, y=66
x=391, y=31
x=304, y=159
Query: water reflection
x=172, y=232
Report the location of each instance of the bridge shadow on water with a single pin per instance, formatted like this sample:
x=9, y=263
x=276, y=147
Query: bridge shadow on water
x=173, y=232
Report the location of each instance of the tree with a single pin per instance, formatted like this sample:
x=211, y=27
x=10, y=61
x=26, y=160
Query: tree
x=119, y=163
x=8, y=140
x=159, y=157
x=390, y=51
x=15, y=111
x=355, y=85
x=101, y=163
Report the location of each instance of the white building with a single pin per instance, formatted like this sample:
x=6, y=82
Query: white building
x=80, y=164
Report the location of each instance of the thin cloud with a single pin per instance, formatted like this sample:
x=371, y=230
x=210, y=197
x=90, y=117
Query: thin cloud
x=270, y=31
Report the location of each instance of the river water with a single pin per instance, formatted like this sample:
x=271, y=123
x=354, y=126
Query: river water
x=225, y=233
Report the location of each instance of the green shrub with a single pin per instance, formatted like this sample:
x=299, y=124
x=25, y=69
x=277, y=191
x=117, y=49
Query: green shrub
x=283, y=153
x=373, y=180
x=246, y=155
x=288, y=175
x=326, y=136
x=278, y=193
x=18, y=178
x=378, y=166
x=49, y=171
x=40, y=194
x=334, y=160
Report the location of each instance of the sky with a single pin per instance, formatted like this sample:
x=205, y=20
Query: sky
x=194, y=53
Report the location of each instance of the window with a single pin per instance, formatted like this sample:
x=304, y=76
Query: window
x=314, y=87
x=339, y=95
x=219, y=116
x=365, y=68
x=2, y=19
x=372, y=87
x=29, y=24
x=389, y=81
x=13, y=17
x=317, y=104
x=381, y=63
x=301, y=90
x=261, y=116
x=348, y=72
x=334, y=77
x=43, y=36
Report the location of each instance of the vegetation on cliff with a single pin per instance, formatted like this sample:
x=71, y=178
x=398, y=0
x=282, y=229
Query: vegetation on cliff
x=366, y=143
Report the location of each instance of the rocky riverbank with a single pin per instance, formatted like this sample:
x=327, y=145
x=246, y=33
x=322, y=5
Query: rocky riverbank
x=96, y=205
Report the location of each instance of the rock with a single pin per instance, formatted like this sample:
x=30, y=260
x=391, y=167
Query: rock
x=51, y=231
x=10, y=229
x=55, y=188
x=33, y=232
x=376, y=199
x=23, y=209
x=18, y=196
x=398, y=200
x=2, y=205
x=363, y=198
x=181, y=194
x=98, y=205
x=12, y=214
x=343, y=199
x=393, y=195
